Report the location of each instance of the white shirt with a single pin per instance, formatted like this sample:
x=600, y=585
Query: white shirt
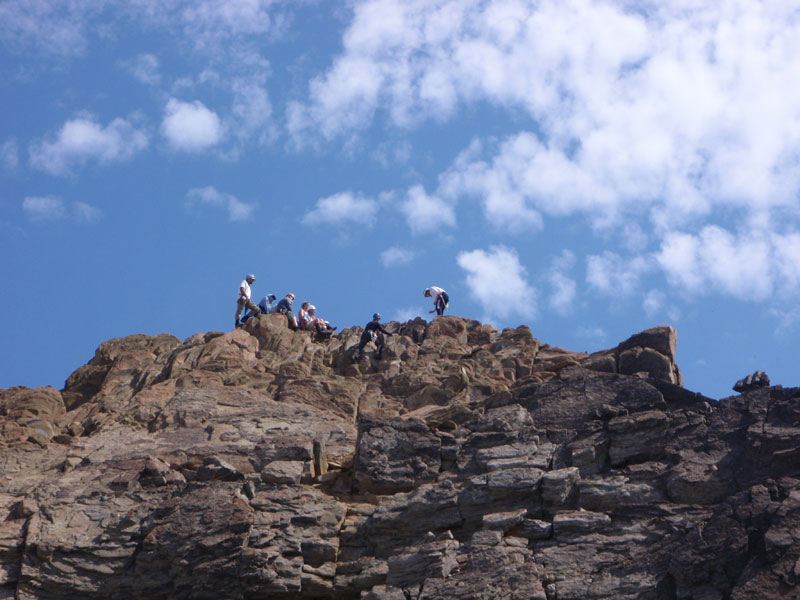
x=435, y=292
x=246, y=287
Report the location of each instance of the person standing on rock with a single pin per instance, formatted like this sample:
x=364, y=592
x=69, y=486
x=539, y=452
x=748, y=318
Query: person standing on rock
x=284, y=307
x=243, y=299
x=372, y=333
x=440, y=299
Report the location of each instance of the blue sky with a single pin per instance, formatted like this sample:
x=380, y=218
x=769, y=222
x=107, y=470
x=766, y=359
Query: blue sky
x=590, y=169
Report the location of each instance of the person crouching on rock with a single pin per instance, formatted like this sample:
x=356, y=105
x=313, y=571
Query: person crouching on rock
x=284, y=307
x=440, y=299
x=243, y=299
x=372, y=333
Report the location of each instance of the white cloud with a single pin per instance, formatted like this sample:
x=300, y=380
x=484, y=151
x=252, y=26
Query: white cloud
x=653, y=302
x=342, y=208
x=51, y=208
x=394, y=256
x=55, y=28
x=650, y=119
x=210, y=23
x=82, y=139
x=44, y=207
x=190, y=126
x=497, y=280
x=614, y=275
x=562, y=296
x=748, y=267
x=61, y=27
x=426, y=214
x=252, y=109
x=9, y=157
x=145, y=68
x=210, y=196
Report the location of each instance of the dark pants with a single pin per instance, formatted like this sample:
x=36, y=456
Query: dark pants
x=441, y=303
x=367, y=337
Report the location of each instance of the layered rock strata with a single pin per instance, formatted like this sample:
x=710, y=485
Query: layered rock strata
x=466, y=463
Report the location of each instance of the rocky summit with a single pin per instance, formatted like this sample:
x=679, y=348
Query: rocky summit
x=465, y=463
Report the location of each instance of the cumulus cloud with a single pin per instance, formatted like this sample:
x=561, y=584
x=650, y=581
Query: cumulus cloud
x=748, y=266
x=426, y=214
x=210, y=196
x=497, y=280
x=44, y=207
x=614, y=275
x=343, y=208
x=395, y=256
x=594, y=76
x=647, y=121
x=190, y=126
x=83, y=139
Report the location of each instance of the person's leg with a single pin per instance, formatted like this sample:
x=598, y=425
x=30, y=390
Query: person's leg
x=239, y=308
x=252, y=310
x=439, y=306
x=361, y=343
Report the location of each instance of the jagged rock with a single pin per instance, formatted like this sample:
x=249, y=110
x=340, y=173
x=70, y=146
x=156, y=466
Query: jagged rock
x=751, y=382
x=465, y=463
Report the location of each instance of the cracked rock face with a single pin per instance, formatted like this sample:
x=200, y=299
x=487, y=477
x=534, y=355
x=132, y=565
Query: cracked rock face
x=465, y=463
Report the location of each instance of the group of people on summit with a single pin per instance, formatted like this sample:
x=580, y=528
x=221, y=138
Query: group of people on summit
x=307, y=319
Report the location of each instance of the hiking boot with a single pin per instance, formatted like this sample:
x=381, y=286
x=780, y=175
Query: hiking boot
x=238, y=324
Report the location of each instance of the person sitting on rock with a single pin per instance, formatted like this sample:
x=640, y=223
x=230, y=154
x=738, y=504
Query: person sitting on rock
x=303, y=320
x=321, y=325
x=284, y=307
x=243, y=299
x=440, y=299
x=372, y=333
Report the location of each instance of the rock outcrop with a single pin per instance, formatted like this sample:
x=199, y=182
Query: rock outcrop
x=465, y=463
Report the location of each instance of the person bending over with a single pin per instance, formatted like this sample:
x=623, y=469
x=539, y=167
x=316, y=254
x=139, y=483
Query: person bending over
x=440, y=299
